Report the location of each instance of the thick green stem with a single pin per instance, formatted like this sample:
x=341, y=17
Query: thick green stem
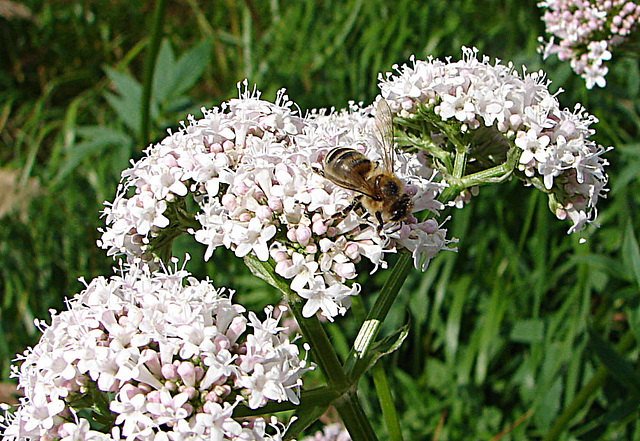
x=321, y=349
x=354, y=418
x=323, y=354
x=149, y=67
x=371, y=326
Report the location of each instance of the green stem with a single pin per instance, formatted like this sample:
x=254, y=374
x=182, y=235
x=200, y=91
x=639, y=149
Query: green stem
x=322, y=353
x=586, y=393
x=149, y=66
x=348, y=406
x=386, y=402
x=321, y=349
x=371, y=326
x=354, y=418
x=381, y=383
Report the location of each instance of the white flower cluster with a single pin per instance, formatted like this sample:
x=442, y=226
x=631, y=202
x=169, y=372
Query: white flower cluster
x=253, y=169
x=168, y=358
x=555, y=143
x=587, y=30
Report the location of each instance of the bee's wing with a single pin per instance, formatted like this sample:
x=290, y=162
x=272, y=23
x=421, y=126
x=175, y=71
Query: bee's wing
x=383, y=131
x=355, y=183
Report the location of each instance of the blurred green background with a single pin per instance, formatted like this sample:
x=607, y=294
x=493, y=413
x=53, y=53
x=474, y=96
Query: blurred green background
x=520, y=332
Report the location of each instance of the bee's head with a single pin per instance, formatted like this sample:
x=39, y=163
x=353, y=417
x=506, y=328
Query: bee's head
x=388, y=186
x=401, y=208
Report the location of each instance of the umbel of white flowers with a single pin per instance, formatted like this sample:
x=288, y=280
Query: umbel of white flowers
x=151, y=356
x=585, y=32
x=251, y=166
x=489, y=109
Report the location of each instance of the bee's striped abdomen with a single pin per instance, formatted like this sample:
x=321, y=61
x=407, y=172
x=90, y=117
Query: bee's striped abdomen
x=345, y=160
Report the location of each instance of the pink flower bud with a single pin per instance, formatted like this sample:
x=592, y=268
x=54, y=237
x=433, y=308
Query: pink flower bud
x=431, y=226
x=216, y=148
x=404, y=232
x=129, y=390
x=154, y=396
x=275, y=203
x=222, y=341
x=411, y=190
x=229, y=201
x=312, y=248
x=211, y=396
x=346, y=270
x=515, y=120
x=303, y=234
x=291, y=235
x=244, y=217
x=319, y=227
x=240, y=189
x=228, y=145
x=188, y=407
x=331, y=231
x=236, y=328
x=169, y=372
x=279, y=256
x=222, y=390
x=199, y=373
x=282, y=266
x=207, y=407
x=190, y=391
x=152, y=360
x=170, y=161
x=187, y=373
x=264, y=213
x=352, y=251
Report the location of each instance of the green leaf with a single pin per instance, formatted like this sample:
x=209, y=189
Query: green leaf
x=127, y=110
x=99, y=139
x=125, y=84
x=266, y=272
x=454, y=319
x=164, y=72
x=313, y=404
x=619, y=368
x=190, y=67
x=127, y=101
x=616, y=415
x=528, y=331
x=631, y=254
x=380, y=348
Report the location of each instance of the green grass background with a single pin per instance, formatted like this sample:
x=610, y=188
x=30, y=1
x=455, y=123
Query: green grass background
x=521, y=333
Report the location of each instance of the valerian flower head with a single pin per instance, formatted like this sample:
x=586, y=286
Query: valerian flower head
x=254, y=169
x=153, y=355
x=584, y=32
x=498, y=122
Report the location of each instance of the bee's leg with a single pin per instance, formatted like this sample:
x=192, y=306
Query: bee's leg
x=380, y=221
x=352, y=206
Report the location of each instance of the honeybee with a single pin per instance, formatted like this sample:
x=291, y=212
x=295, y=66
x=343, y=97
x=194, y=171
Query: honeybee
x=382, y=193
